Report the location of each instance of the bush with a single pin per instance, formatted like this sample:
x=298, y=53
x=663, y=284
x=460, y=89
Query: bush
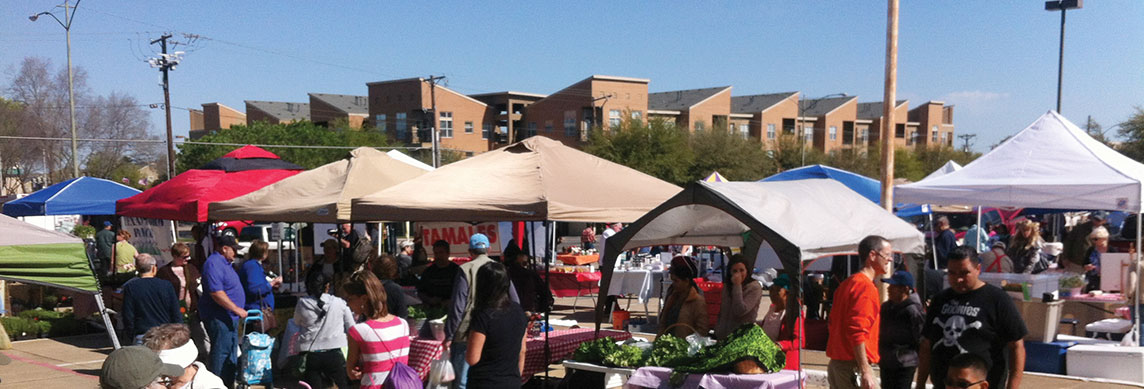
x=83, y=231
x=42, y=314
x=19, y=326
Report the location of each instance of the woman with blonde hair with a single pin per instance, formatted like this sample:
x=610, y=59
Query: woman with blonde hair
x=1025, y=246
x=124, y=253
x=379, y=342
x=1098, y=238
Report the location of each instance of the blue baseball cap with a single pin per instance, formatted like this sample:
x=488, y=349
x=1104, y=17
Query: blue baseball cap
x=107, y=223
x=900, y=277
x=478, y=241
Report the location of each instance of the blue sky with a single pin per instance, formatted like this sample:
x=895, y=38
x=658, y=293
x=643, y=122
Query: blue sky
x=996, y=61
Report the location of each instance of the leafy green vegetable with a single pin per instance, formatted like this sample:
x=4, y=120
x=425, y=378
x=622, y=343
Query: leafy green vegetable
x=747, y=342
x=625, y=356
x=595, y=351
x=668, y=351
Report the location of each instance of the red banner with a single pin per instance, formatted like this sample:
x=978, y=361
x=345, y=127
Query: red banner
x=457, y=234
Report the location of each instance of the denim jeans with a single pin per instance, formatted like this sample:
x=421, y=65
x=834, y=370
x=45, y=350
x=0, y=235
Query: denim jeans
x=460, y=367
x=223, y=356
x=1132, y=309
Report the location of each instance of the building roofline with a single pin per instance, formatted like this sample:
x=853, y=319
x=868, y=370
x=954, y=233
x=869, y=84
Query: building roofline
x=742, y=115
x=725, y=89
x=617, y=78
x=663, y=112
x=765, y=109
x=852, y=98
x=394, y=81
x=509, y=92
x=792, y=94
x=462, y=95
x=221, y=105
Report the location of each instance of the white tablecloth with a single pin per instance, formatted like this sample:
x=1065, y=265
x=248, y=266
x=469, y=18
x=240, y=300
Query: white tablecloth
x=643, y=283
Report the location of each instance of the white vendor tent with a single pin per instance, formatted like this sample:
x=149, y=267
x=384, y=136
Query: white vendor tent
x=949, y=167
x=1050, y=164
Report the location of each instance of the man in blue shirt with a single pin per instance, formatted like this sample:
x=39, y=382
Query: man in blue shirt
x=944, y=242
x=223, y=310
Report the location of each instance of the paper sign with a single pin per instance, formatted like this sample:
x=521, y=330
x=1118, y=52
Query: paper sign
x=457, y=234
x=151, y=236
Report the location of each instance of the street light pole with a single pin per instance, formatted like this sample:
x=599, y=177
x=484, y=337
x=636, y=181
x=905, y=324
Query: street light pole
x=69, y=14
x=1063, y=6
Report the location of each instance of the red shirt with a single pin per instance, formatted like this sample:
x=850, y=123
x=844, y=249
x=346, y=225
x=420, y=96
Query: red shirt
x=854, y=319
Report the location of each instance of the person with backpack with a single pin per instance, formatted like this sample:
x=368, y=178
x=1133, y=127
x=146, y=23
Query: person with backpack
x=379, y=343
x=324, y=320
x=497, y=332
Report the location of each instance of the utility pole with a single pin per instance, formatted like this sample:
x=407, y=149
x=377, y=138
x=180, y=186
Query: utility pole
x=966, y=138
x=433, y=126
x=888, y=105
x=165, y=64
x=1063, y=6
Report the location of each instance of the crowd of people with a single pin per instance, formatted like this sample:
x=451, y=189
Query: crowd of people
x=184, y=319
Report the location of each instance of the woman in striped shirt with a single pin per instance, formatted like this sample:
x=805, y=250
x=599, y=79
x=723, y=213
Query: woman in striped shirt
x=378, y=342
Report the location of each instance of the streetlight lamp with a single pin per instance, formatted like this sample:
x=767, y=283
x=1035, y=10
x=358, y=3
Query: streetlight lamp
x=1063, y=6
x=802, y=119
x=69, y=14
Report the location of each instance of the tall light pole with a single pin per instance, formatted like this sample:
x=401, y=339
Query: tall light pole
x=1063, y=6
x=802, y=119
x=69, y=14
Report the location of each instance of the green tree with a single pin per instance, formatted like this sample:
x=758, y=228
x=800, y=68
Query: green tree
x=790, y=152
x=192, y=156
x=1132, y=131
x=658, y=148
x=735, y=157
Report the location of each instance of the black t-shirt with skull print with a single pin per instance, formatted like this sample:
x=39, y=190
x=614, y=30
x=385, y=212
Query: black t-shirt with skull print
x=982, y=321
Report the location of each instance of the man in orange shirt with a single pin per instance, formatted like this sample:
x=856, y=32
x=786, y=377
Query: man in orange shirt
x=853, y=344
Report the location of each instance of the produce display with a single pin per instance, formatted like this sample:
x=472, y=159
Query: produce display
x=747, y=350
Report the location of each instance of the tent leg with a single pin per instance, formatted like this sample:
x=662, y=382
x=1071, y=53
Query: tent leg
x=933, y=240
x=1136, y=263
x=107, y=321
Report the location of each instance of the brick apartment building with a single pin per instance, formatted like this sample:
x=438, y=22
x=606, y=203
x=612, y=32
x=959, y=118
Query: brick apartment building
x=213, y=117
x=327, y=109
x=477, y=123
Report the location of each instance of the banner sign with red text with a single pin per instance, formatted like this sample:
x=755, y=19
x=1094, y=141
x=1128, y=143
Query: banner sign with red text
x=457, y=234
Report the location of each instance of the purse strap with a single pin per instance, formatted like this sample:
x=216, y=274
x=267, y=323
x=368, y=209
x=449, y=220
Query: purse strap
x=324, y=316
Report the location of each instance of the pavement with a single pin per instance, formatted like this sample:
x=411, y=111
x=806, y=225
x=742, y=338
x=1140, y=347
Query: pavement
x=74, y=362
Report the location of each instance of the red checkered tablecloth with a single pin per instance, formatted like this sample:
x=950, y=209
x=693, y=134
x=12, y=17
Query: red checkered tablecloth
x=561, y=344
x=573, y=284
x=421, y=353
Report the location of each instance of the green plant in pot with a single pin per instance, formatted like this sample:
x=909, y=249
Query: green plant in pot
x=1071, y=285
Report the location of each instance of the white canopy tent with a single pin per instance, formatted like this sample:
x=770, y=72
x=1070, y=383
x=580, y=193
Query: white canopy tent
x=1052, y=163
x=949, y=167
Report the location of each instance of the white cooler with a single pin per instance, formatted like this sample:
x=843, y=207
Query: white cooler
x=1109, y=362
x=1110, y=329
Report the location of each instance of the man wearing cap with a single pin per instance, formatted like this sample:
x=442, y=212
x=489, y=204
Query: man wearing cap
x=104, y=241
x=854, y=327
x=136, y=367
x=902, y=321
x=457, y=324
x=1077, y=243
x=404, y=260
x=222, y=311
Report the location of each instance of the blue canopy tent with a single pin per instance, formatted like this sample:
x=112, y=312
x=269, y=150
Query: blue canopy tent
x=77, y=196
x=865, y=186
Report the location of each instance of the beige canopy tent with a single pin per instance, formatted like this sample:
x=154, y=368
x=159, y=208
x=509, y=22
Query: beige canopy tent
x=322, y=194
x=538, y=179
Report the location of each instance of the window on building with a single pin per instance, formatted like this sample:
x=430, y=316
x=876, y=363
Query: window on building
x=847, y=132
x=637, y=115
x=700, y=125
x=833, y=133
x=900, y=130
x=745, y=130
x=485, y=130
x=379, y=122
x=808, y=132
x=614, y=118
x=913, y=138
x=934, y=132
x=788, y=126
x=468, y=127
x=570, y=123
x=770, y=131
x=548, y=126
x=944, y=138
x=531, y=129
x=401, y=127
x=865, y=137
x=446, y=129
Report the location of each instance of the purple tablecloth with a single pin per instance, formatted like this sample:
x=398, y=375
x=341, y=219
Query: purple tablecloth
x=657, y=377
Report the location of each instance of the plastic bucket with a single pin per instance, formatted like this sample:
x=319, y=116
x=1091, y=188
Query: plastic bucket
x=620, y=319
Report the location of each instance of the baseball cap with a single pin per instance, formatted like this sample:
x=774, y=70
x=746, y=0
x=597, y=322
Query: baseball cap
x=107, y=223
x=900, y=277
x=1098, y=215
x=998, y=244
x=229, y=241
x=406, y=243
x=134, y=367
x=478, y=241
x=782, y=281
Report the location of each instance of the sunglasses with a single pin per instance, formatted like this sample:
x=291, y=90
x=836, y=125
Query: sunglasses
x=961, y=384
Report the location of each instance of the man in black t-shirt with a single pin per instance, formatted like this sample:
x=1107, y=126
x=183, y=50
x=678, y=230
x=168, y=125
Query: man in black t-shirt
x=436, y=285
x=972, y=317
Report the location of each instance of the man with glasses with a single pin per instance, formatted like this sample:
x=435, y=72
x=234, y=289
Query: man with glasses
x=854, y=319
x=972, y=317
x=966, y=371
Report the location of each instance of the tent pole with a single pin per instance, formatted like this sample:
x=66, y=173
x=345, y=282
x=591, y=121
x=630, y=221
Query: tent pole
x=107, y=321
x=933, y=240
x=549, y=255
x=977, y=234
x=1136, y=317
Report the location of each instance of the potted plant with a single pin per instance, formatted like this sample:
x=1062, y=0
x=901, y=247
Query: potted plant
x=1071, y=285
x=416, y=318
x=83, y=231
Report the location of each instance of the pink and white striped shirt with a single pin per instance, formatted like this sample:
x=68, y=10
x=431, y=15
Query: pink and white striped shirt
x=382, y=344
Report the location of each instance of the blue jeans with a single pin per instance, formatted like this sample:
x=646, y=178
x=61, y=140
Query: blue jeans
x=223, y=356
x=1132, y=309
x=460, y=367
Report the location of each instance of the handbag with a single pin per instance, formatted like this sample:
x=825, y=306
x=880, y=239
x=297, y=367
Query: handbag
x=269, y=321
